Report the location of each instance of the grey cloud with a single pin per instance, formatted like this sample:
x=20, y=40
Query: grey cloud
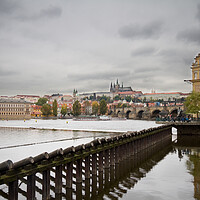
x=4, y=72
x=105, y=75
x=192, y=35
x=144, y=51
x=147, y=70
x=198, y=12
x=7, y=7
x=134, y=31
x=52, y=12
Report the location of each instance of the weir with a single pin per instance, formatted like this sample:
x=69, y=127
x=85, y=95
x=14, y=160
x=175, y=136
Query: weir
x=83, y=171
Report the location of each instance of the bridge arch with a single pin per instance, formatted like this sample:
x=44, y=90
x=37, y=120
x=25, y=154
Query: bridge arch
x=139, y=114
x=174, y=112
x=118, y=113
x=155, y=113
x=128, y=114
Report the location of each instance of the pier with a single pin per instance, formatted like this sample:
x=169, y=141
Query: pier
x=68, y=172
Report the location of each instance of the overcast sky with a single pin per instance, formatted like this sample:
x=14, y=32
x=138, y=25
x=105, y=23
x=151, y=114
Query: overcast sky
x=54, y=46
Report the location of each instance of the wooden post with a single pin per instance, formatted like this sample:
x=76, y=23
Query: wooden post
x=69, y=175
x=100, y=161
x=46, y=185
x=94, y=164
x=31, y=187
x=79, y=191
x=58, y=180
x=13, y=190
x=107, y=158
x=87, y=189
x=79, y=171
x=87, y=167
x=112, y=159
x=117, y=155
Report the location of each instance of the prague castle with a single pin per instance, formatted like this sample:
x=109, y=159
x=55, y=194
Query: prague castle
x=117, y=88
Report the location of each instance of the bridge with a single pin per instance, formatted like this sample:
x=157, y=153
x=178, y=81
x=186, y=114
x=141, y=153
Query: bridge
x=71, y=172
x=146, y=113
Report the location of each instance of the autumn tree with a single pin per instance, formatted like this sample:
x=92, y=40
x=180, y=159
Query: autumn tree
x=76, y=108
x=46, y=110
x=64, y=110
x=95, y=107
x=55, y=108
x=192, y=103
x=103, y=107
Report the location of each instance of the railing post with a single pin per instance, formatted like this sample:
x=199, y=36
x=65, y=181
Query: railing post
x=13, y=190
x=46, y=185
x=87, y=167
x=100, y=161
x=112, y=160
x=116, y=155
x=31, y=187
x=107, y=158
x=94, y=164
x=79, y=171
x=58, y=180
x=69, y=175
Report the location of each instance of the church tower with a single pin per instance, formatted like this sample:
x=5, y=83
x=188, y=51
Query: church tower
x=196, y=74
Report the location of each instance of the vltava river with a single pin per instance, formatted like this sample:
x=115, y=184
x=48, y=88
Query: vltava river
x=170, y=173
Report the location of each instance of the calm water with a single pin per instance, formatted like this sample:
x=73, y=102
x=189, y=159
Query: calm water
x=171, y=173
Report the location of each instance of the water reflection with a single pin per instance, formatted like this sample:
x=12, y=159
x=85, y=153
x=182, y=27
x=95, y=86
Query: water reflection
x=190, y=146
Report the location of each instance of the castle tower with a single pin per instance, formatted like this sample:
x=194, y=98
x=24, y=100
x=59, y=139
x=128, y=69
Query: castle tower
x=196, y=74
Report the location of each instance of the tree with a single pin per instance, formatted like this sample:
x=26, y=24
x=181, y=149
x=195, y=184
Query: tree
x=87, y=107
x=192, y=103
x=64, y=110
x=41, y=101
x=76, y=108
x=128, y=98
x=95, y=107
x=46, y=109
x=117, y=97
x=103, y=107
x=55, y=108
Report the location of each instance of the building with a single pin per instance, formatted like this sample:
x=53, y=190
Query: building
x=196, y=74
x=14, y=109
x=36, y=111
x=165, y=96
x=28, y=98
x=117, y=88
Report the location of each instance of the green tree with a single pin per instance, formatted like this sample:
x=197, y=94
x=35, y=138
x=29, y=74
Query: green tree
x=117, y=97
x=41, y=101
x=103, y=107
x=55, y=108
x=95, y=107
x=192, y=103
x=128, y=98
x=64, y=110
x=76, y=108
x=46, y=109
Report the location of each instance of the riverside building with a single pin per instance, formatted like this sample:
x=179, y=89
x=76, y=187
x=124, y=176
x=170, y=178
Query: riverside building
x=195, y=74
x=14, y=109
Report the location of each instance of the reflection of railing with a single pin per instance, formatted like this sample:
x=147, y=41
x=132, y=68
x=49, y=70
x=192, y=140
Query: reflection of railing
x=83, y=171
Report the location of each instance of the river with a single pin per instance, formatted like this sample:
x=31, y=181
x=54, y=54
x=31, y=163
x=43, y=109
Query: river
x=170, y=174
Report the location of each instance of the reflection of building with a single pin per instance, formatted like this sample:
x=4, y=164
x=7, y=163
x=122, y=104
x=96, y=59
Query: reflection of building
x=14, y=109
x=196, y=74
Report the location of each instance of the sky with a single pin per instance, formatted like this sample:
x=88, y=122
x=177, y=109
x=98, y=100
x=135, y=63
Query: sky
x=54, y=46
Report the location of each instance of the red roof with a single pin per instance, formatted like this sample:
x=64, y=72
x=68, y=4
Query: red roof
x=163, y=93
